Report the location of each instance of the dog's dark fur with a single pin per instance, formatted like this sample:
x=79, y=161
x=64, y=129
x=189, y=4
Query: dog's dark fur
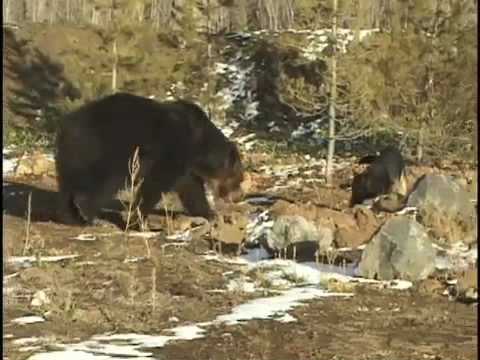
x=180, y=150
x=384, y=173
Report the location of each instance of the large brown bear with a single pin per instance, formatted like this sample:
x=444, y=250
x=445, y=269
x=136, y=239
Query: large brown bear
x=180, y=150
x=385, y=174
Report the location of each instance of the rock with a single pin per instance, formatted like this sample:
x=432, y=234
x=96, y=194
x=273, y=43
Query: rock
x=444, y=194
x=353, y=235
x=392, y=202
x=446, y=207
x=230, y=230
x=400, y=249
x=467, y=285
x=40, y=298
x=35, y=165
x=431, y=286
x=290, y=231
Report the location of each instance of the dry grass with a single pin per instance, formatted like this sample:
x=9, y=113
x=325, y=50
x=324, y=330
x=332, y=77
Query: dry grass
x=331, y=255
x=132, y=187
x=168, y=216
x=154, y=288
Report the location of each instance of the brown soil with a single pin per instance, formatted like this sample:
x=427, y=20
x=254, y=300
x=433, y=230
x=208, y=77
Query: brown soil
x=98, y=292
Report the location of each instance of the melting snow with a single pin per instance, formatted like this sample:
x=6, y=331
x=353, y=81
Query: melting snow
x=458, y=256
x=26, y=260
x=28, y=320
x=269, y=307
x=9, y=164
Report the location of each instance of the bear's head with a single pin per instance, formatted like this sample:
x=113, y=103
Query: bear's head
x=222, y=169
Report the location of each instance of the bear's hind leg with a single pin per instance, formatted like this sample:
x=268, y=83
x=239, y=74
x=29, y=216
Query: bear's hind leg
x=90, y=202
x=67, y=212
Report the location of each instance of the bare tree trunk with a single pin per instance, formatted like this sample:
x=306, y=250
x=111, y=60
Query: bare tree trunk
x=34, y=11
x=209, y=58
x=84, y=11
x=475, y=157
x=114, y=67
x=67, y=10
x=420, y=142
x=7, y=11
x=333, y=100
x=141, y=12
x=152, y=11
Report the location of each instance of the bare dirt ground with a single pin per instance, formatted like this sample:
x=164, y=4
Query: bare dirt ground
x=131, y=284
x=101, y=291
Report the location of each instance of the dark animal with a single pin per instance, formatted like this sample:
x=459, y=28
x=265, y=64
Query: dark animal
x=384, y=175
x=180, y=150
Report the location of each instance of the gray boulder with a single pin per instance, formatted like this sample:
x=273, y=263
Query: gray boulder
x=290, y=231
x=400, y=249
x=444, y=194
x=446, y=208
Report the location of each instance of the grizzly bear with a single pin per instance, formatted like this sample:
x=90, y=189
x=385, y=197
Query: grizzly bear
x=179, y=150
x=385, y=173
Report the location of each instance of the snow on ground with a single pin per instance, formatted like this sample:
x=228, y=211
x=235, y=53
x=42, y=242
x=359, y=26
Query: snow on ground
x=9, y=163
x=24, y=320
x=291, y=284
x=458, y=256
x=275, y=306
x=239, y=74
x=27, y=260
x=119, y=346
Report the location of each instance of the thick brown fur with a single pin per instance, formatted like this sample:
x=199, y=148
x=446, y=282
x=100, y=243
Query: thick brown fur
x=385, y=174
x=180, y=150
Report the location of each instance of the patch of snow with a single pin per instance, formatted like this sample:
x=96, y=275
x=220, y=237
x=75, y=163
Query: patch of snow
x=241, y=284
x=26, y=260
x=458, y=256
x=245, y=138
x=76, y=355
x=308, y=272
x=30, y=348
x=400, y=284
x=28, y=320
x=258, y=227
x=85, y=237
x=134, y=259
x=27, y=341
x=311, y=273
x=108, y=349
x=269, y=307
x=9, y=276
x=286, y=318
x=222, y=259
x=181, y=236
x=255, y=255
x=9, y=166
x=188, y=332
x=144, y=234
x=251, y=110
